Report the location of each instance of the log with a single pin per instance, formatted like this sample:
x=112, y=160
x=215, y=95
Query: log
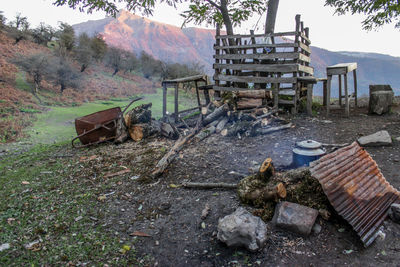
x=140, y=114
x=221, y=124
x=172, y=153
x=205, y=133
x=239, y=127
x=142, y=130
x=273, y=129
x=252, y=94
x=260, y=111
x=267, y=193
x=246, y=103
x=380, y=102
x=121, y=131
x=216, y=114
x=266, y=170
x=209, y=185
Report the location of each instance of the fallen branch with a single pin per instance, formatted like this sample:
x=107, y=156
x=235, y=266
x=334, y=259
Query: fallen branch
x=273, y=129
x=209, y=185
x=336, y=145
x=171, y=155
x=218, y=112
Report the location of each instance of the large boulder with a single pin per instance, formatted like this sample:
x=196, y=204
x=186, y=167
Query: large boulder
x=381, y=138
x=241, y=228
x=380, y=99
x=294, y=217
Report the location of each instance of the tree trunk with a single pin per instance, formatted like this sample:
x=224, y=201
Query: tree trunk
x=115, y=71
x=34, y=90
x=271, y=16
x=246, y=103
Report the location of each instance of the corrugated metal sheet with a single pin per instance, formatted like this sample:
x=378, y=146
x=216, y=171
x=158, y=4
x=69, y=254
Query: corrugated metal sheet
x=356, y=189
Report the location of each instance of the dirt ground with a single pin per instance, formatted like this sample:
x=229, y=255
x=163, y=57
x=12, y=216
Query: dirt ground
x=171, y=215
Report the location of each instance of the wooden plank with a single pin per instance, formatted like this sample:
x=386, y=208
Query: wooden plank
x=355, y=87
x=286, y=102
x=255, y=35
x=287, y=92
x=255, y=46
x=251, y=79
x=346, y=91
x=340, y=89
x=186, y=79
x=305, y=38
x=348, y=66
x=306, y=69
x=164, y=107
x=278, y=55
x=229, y=88
x=305, y=47
x=328, y=94
x=282, y=68
x=176, y=103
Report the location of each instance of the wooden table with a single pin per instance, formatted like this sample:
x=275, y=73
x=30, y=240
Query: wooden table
x=341, y=70
x=175, y=84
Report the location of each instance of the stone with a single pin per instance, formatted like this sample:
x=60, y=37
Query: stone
x=398, y=138
x=381, y=138
x=317, y=228
x=4, y=246
x=294, y=217
x=241, y=228
x=394, y=212
x=380, y=99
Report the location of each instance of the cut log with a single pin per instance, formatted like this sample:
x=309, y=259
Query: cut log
x=210, y=185
x=267, y=193
x=140, y=114
x=221, y=124
x=260, y=111
x=251, y=94
x=239, y=127
x=266, y=170
x=216, y=114
x=246, y=103
x=273, y=129
x=121, y=131
x=380, y=102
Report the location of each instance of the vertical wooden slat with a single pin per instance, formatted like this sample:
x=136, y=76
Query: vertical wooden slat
x=217, y=94
x=309, y=98
x=197, y=94
x=328, y=94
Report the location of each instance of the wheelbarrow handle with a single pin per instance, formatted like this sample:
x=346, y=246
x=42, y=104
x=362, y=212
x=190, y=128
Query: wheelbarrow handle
x=134, y=100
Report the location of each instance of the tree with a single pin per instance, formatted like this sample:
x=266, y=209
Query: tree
x=114, y=59
x=43, y=34
x=150, y=65
x=379, y=12
x=19, y=28
x=65, y=75
x=83, y=52
x=228, y=12
x=2, y=20
x=98, y=47
x=37, y=67
x=130, y=62
x=66, y=36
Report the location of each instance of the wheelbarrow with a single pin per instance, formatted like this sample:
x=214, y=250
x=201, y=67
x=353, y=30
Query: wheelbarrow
x=98, y=127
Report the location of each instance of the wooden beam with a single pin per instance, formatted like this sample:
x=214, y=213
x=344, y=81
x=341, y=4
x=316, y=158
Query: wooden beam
x=256, y=46
x=278, y=68
x=251, y=79
x=278, y=55
x=255, y=35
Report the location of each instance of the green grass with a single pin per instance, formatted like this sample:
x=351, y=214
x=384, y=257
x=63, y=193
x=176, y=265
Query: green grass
x=21, y=83
x=57, y=124
x=46, y=199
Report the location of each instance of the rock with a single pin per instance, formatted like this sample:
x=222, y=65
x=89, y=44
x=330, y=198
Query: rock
x=316, y=229
x=394, y=212
x=241, y=228
x=294, y=217
x=398, y=139
x=4, y=246
x=380, y=99
x=381, y=138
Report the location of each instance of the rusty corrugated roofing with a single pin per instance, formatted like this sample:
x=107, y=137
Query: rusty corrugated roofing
x=356, y=189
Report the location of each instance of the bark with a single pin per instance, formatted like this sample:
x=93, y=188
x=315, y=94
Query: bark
x=216, y=114
x=252, y=94
x=271, y=16
x=247, y=103
x=267, y=193
x=205, y=133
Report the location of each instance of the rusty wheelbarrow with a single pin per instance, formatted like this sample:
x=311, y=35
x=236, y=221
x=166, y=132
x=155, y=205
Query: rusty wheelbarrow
x=98, y=127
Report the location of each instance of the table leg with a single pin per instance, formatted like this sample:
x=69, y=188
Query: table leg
x=340, y=89
x=309, y=98
x=328, y=94
x=346, y=91
x=355, y=88
x=176, y=104
x=164, y=107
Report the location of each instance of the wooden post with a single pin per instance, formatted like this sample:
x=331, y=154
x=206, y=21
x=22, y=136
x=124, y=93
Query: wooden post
x=296, y=50
x=328, y=94
x=217, y=94
x=309, y=98
x=176, y=104
x=340, y=89
x=355, y=88
x=164, y=109
x=197, y=94
x=324, y=91
x=346, y=91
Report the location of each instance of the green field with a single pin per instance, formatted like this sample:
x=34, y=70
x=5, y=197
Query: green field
x=57, y=124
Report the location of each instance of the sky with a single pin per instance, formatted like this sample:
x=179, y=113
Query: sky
x=329, y=31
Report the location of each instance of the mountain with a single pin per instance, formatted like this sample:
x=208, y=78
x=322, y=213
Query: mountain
x=173, y=44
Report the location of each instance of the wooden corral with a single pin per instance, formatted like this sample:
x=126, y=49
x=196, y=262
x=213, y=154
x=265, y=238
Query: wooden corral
x=277, y=62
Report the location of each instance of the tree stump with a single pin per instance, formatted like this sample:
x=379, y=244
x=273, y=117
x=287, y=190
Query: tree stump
x=380, y=102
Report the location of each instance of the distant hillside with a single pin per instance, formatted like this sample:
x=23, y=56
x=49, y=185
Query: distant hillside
x=173, y=44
